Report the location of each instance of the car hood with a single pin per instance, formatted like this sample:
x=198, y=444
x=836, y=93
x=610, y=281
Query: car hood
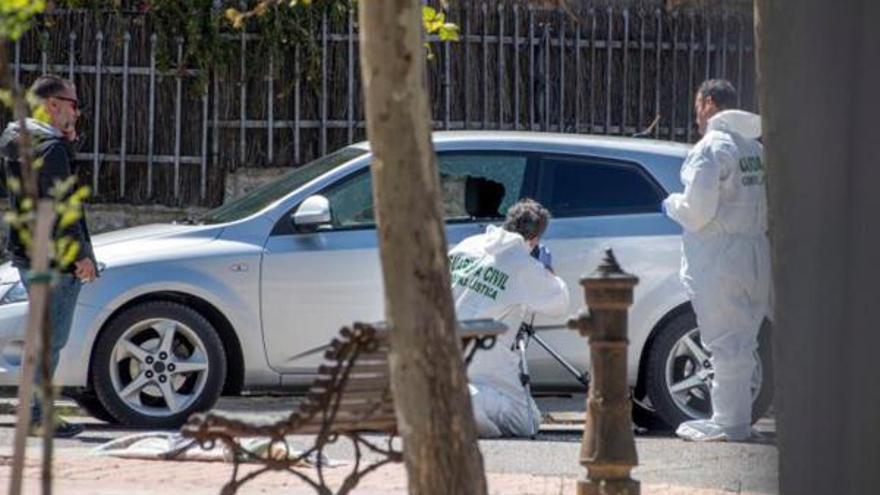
x=151, y=240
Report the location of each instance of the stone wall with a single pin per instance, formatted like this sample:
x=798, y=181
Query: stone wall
x=105, y=217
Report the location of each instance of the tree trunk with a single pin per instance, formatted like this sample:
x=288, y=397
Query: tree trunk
x=38, y=329
x=818, y=78
x=38, y=305
x=427, y=373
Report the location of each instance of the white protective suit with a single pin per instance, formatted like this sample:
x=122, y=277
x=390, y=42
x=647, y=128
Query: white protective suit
x=493, y=276
x=725, y=263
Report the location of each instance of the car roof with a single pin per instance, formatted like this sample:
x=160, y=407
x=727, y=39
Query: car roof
x=640, y=145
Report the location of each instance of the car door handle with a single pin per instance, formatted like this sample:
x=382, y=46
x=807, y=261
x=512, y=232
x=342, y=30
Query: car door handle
x=239, y=267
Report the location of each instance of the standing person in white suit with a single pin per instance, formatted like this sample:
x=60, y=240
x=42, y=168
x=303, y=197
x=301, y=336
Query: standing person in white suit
x=495, y=276
x=725, y=254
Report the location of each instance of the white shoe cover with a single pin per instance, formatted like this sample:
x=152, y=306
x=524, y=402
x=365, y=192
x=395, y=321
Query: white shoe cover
x=706, y=430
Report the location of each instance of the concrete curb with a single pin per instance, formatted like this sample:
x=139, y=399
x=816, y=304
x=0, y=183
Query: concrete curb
x=63, y=407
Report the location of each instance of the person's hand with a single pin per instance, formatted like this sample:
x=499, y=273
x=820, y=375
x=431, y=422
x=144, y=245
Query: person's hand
x=85, y=270
x=545, y=257
x=69, y=132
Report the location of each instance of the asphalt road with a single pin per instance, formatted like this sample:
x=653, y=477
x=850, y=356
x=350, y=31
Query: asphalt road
x=663, y=459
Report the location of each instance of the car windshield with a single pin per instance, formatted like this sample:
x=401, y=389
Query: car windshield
x=267, y=194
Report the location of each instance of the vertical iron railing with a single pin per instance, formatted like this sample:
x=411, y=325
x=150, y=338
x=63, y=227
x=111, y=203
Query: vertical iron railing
x=156, y=136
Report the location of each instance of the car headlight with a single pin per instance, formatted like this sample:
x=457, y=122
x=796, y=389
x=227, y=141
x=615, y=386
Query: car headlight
x=13, y=293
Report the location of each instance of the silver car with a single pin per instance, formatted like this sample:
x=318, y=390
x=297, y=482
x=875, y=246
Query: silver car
x=233, y=300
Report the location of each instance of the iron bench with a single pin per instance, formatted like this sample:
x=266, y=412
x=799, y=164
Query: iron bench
x=350, y=396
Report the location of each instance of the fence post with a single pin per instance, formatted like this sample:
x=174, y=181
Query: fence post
x=608, y=449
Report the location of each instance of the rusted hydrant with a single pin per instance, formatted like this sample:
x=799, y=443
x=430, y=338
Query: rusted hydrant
x=608, y=449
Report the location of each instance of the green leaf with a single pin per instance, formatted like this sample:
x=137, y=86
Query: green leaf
x=69, y=217
x=40, y=113
x=16, y=17
x=13, y=184
x=66, y=251
x=6, y=97
x=60, y=189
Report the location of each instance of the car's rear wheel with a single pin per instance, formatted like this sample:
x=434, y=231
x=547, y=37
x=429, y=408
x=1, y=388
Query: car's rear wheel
x=156, y=363
x=679, y=374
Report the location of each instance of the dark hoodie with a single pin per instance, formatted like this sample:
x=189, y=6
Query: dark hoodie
x=48, y=144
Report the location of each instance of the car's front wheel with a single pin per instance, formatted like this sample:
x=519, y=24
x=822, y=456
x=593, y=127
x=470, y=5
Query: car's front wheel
x=156, y=363
x=679, y=373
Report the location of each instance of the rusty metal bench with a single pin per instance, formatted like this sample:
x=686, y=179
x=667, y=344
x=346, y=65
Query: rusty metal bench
x=351, y=396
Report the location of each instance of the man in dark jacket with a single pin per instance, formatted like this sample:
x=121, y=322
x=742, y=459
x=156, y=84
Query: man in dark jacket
x=50, y=139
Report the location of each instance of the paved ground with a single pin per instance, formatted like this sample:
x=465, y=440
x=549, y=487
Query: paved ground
x=547, y=465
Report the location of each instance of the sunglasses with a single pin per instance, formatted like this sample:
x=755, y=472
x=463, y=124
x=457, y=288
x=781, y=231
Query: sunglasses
x=73, y=101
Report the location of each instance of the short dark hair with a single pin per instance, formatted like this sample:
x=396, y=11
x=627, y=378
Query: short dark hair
x=721, y=91
x=527, y=218
x=49, y=85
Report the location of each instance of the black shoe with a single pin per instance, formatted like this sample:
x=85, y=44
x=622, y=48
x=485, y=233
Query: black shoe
x=63, y=429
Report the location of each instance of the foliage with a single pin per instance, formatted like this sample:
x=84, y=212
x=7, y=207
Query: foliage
x=435, y=23
x=16, y=17
x=68, y=210
x=267, y=15
x=206, y=27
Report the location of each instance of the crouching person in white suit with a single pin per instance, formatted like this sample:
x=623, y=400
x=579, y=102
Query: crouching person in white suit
x=494, y=276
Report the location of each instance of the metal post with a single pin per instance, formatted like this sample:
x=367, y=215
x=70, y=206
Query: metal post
x=642, y=19
x=485, y=70
x=623, y=80
x=178, y=101
x=96, y=163
x=608, y=449
x=561, y=73
x=708, y=26
x=270, y=109
x=18, y=62
x=673, y=131
x=124, y=124
x=609, y=66
x=242, y=100
x=324, y=86
x=690, y=121
x=466, y=66
x=659, y=70
x=447, y=84
x=500, y=90
x=723, y=72
x=577, y=77
x=545, y=88
x=203, y=175
x=151, y=116
x=516, y=115
x=592, y=71
x=531, y=125
x=350, y=87
x=71, y=54
x=44, y=56
x=739, y=59
x=215, y=128
x=297, y=55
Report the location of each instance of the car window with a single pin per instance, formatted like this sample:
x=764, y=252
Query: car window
x=505, y=172
x=570, y=186
x=351, y=199
x=270, y=192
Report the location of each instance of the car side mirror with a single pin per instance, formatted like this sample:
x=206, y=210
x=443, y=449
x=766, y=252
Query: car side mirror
x=312, y=212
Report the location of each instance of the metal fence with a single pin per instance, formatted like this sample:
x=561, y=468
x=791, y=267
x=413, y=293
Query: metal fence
x=154, y=136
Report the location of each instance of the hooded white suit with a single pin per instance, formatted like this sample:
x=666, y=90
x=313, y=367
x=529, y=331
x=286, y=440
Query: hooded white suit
x=726, y=262
x=493, y=276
